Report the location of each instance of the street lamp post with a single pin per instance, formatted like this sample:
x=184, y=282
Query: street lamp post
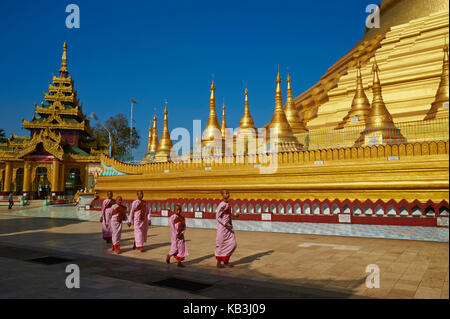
x=133, y=101
x=93, y=116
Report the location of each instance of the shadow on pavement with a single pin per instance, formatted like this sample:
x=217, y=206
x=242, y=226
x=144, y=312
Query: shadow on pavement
x=252, y=258
x=22, y=224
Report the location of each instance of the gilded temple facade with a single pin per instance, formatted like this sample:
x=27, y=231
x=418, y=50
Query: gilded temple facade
x=58, y=158
x=367, y=144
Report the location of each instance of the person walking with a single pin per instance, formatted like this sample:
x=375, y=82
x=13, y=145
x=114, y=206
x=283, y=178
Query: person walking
x=225, y=238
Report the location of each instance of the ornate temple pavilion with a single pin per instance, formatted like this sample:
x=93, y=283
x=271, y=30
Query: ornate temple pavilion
x=58, y=157
x=368, y=144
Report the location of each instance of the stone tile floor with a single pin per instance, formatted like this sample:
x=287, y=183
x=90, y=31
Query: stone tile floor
x=267, y=265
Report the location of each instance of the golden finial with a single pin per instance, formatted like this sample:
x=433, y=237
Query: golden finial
x=63, y=69
x=292, y=115
x=437, y=109
x=213, y=87
x=375, y=70
x=360, y=104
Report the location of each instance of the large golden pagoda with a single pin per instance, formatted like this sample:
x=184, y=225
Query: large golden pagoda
x=59, y=157
x=395, y=174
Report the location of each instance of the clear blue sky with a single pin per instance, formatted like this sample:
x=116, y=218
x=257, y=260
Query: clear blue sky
x=152, y=50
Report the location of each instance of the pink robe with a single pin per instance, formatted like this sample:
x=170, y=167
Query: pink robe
x=178, y=247
x=225, y=239
x=106, y=217
x=140, y=226
x=116, y=227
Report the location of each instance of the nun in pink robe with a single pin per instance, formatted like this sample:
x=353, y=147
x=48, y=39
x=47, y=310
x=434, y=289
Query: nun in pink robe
x=118, y=215
x=225, y=239
x=106, y=217
x=178, y=247
x=139, y=218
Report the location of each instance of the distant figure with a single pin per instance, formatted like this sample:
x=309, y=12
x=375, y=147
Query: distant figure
x=11, y=200
x=178, y=227
x=139, y=217
x=106, y=217
x=225, y=239
x=118, y=214
x=76, y=197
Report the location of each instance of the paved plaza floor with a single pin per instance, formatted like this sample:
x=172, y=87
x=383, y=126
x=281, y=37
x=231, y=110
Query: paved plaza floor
x=267, y=265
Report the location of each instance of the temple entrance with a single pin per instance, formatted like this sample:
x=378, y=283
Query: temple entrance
x=73, y=183
x=42, y=183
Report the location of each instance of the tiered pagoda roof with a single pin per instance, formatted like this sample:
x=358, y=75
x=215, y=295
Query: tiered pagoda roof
x=62, y=109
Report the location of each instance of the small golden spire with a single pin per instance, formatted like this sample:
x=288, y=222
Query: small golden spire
x=150, y=131
x=223, y=127
x=63, y=70
x=292, y=115
x=278, y=93
x=437, y=109
x=246, y=120
x=147, y=156
x=379, y=121
x=279, y=120
x=360, y=105
x=155, y=142
x=213, y=123
x=165, y=143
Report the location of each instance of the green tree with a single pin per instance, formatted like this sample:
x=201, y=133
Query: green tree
x=120, y=134
x=2, y=136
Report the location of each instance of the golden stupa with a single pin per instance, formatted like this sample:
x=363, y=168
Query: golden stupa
x=155, y=141
x=148, y=157
x=246, y=124
x=165, y=143
x=360, y=105
x=296, y=123
x=380, y=128
x=212, y=131
x=279, y=124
